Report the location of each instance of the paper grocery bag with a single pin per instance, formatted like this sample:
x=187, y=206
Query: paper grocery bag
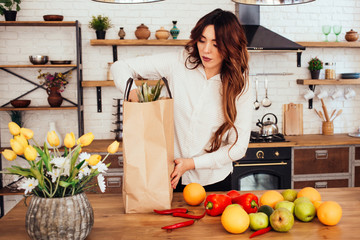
x=148, y=149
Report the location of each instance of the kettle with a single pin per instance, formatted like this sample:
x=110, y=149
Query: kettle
x=268, y=128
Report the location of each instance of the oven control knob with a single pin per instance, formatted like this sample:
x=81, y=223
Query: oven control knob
x=260, y=154
x=277, y=153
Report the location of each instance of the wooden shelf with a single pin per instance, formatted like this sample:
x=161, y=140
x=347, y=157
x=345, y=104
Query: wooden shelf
x=39, y=66
x=38, y=23
x=110, y=83
x=328, y=82
x=37, y=108
x=136, y=42
x=330, y=44
x=6, y=191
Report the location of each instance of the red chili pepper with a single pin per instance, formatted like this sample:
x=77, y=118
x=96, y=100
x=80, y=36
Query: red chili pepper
x=248, y=201
x=171, y=211
x=233, y=194
x=179, y=225
x=261, y=231
x=185, y=215
x=216, y=203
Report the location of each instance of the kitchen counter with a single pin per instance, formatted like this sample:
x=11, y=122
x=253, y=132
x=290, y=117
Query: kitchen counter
x=293, y=141
x=112, y=223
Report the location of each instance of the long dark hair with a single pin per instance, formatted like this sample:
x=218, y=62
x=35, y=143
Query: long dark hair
x=231, y=43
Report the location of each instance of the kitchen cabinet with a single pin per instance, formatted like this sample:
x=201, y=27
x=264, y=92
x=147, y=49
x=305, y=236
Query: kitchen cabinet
x=357, y=167
x=322, y=167
x=75, y=104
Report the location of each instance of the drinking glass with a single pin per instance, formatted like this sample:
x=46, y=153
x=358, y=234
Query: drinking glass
x=326, y=29
x=337, y=31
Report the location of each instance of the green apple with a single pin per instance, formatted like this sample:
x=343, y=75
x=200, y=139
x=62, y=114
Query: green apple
x=289, y=195
x=300, y=199
x=266, y=209
x=258, y=220
x=286, y=204
x=282, y=220
x=305, y=211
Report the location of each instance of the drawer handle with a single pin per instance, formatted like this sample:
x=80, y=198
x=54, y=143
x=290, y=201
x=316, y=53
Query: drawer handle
x=320, y=184
x=113, y=182
x=321, y=154
x=259, y=164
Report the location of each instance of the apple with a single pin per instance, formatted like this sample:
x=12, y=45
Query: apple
x=282, y=220
x=300, y=199
x=258, y=220
x=286, y=204
x=266, y=209
x=289, y=195
x=305, y=211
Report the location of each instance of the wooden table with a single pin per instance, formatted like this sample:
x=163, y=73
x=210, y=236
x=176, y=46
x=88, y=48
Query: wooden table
x=112, y=223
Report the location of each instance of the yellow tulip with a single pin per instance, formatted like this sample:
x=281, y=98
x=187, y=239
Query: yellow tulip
x=69, y=140
x=9, y=154
x=94, y=159
x=14, y=128
x=53, y=139
x=21, y=138
x=28, y=133
x=113, y=148
x=17, y=147
x=30, y=153
x=86, y=139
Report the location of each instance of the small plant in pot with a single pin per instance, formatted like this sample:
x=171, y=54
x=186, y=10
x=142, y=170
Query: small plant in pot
x=9, y=8
x=315, y=65
x=100, y=24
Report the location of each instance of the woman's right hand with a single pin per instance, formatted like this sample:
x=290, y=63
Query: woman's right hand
x=133, y=96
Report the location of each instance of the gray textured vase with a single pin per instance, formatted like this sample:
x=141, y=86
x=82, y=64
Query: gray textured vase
x=59, y=218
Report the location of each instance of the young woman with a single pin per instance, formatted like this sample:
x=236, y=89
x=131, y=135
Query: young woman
x=212, y=99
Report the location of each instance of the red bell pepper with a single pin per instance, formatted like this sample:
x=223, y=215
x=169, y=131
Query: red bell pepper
x=216, y=203
x=233, y=194
x=248, y=201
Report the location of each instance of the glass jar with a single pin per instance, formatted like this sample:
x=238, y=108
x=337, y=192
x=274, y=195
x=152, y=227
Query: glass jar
x=330, y=72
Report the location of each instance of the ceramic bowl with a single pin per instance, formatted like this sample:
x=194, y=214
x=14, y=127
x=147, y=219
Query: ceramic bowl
x=20, y=103
x=53, y=17
x=38, y=59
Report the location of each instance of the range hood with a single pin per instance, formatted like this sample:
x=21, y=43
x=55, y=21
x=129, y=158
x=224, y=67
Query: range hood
x=260, y=38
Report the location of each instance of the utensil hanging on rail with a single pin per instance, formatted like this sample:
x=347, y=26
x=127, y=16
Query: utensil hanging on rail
x=256, y=103
x=266, y=102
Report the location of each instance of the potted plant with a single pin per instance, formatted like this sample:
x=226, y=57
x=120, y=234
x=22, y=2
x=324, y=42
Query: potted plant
x=55, y=84
x=315, y=65
x=100, y=24
x=9, y=8
x=57, y=181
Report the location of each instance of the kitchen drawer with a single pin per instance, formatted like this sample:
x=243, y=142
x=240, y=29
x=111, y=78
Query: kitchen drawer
x=116, y=160
x=113, y=180
x=321, y=160
x=322, y=183
x=357, y=176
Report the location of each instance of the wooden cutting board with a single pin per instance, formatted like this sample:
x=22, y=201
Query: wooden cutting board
x=293, y=119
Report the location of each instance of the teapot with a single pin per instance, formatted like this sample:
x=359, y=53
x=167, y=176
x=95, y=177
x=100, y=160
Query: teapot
x=268, y=128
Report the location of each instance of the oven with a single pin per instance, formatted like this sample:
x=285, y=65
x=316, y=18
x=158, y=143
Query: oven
x=263, y=168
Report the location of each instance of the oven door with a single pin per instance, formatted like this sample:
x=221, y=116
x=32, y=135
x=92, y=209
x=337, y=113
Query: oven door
x=251, y=175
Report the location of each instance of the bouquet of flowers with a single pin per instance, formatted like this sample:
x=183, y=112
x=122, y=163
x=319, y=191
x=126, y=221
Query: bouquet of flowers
x=55, y=174
x=58, y=80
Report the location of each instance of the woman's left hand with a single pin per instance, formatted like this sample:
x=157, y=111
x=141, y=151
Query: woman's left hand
x=181, y=166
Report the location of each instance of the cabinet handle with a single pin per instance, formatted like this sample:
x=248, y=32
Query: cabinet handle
x=259, y=164
x=113, y=182
x=321, y=154
x=320, y=184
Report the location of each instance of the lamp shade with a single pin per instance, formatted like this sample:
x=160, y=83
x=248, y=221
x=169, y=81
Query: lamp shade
x=127, y=1
x=272, y=2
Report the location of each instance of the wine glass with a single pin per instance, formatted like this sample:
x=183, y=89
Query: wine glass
x=337, y=31
x=326, y=29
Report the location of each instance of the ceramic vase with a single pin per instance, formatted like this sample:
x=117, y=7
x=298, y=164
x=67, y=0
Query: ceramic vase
x=121, y=33
x=54, y=97
x=59, y=218
x=52, y=127
x=162, y=33
x=142, y=32
x=174, y=31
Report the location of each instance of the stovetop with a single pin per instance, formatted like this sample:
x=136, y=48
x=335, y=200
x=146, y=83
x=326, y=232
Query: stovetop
x=256, y=137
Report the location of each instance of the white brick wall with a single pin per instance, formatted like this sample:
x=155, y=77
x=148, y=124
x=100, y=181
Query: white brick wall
x=299, y=23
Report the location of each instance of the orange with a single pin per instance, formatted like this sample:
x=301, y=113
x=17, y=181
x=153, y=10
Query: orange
x=194, y=194
x=310, y=193
x=317, y=204
x=271, y=198
x=234, y=219
x=329, y=213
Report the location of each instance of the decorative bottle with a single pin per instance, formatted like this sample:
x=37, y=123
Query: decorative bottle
x=52, y=127
x=121, y=33
x=174, y=31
